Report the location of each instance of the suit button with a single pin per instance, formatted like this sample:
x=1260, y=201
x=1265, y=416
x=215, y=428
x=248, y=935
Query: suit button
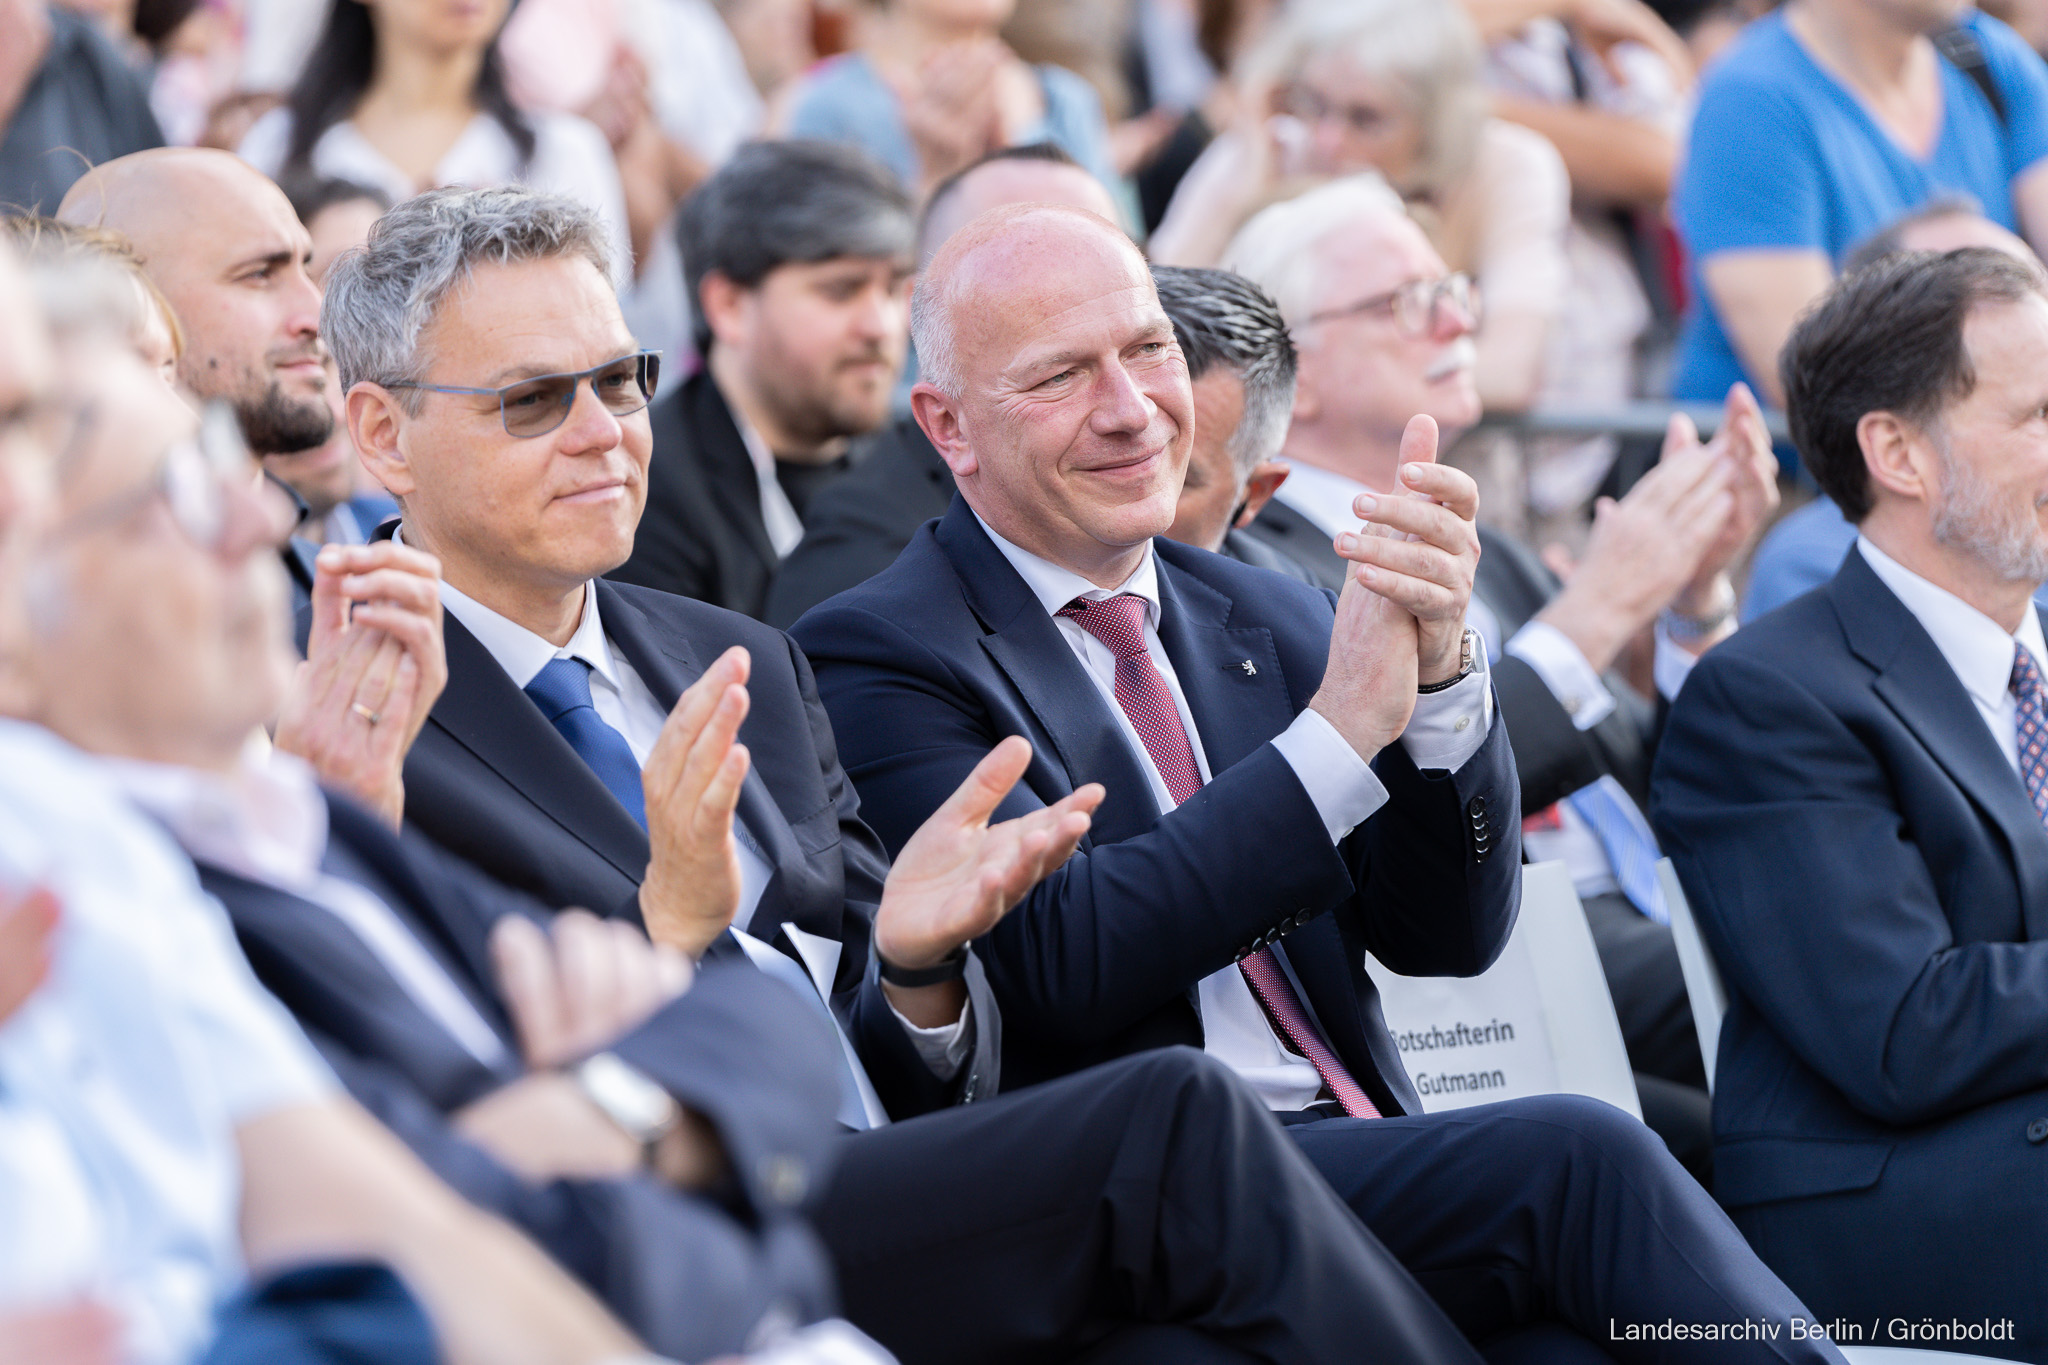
x=1477, y=809
x=967, y=1091
x=2037, y=1132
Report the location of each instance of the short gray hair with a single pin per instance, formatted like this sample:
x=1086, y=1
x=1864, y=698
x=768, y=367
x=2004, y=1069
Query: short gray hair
x=1427, y=50
x=1225, y=321
x=931, y=336
x=383, y=293
x=1280, y=249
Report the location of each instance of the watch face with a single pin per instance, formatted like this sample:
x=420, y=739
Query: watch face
x=631, y=1100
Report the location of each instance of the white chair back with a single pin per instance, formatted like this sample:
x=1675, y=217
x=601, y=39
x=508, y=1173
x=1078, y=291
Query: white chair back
x=1702, y=978
x=1537, y=1022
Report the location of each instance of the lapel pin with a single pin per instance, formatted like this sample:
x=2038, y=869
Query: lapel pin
x=1251, y=670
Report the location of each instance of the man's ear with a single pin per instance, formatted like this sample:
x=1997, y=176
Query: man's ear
x=1259, y=489
x=936, y=414
x=723, y=306
x=374, y=423
x=1898, y=455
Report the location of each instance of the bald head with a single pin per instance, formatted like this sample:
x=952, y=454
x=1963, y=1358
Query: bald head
x=1053, y=387
x=1006, y=180
x=1007, y=249
x=223, y=244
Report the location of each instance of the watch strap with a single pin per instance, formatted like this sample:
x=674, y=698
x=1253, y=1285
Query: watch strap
x=951, y=967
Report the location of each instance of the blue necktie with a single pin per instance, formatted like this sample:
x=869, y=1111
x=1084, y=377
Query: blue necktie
x=562, y=692
x=1606, y=809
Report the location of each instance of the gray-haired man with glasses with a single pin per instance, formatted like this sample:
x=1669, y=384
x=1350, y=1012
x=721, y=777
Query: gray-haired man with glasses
x=1385, y=331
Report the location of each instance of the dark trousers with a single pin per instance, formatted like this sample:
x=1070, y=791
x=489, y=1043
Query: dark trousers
x=1640, y=962
x=1557, y=1208
x=1145, y=1210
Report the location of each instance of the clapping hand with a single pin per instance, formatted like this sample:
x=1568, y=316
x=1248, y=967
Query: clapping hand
x=1670, y=540
x=692, y=782
x=958, y=875
x=577, y=986
x=375, y=665
x=81, y=1332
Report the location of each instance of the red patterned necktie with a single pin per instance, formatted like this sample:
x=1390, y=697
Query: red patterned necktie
x=2027, y=689
x=1119, y=623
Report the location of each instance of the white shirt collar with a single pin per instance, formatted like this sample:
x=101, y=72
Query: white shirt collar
x=520, y=652
x=1322, y=495
x=1976, y=647
x=1055, y=586
x=265, y=821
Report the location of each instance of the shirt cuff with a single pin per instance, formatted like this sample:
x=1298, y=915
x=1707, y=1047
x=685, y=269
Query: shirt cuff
x=1447, y=727
x=1340, y=784
x=1566, y=671
x=943, y=1049
x=1672, y=665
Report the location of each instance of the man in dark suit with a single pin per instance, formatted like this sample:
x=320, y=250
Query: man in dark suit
x=1854, y=793
x=1148, y=1210
x=1292, y=780
x=798, y=256
x=898, y=482
x=1385, y=332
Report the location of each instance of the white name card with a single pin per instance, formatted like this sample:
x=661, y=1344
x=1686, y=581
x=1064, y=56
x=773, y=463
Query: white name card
x=1537, y=1022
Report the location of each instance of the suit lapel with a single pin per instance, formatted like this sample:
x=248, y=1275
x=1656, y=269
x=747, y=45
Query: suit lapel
x=728, y=466
x=1915, y=680
x=1026, y=644
x=1236, y=708
x=496, y=722
x=1296, y=536
x=668, y=665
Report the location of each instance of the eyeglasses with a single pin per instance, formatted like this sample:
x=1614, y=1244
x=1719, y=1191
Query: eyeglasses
x=1312, y=106
x=537, y=406
x=1417, y=306
x=192, y=480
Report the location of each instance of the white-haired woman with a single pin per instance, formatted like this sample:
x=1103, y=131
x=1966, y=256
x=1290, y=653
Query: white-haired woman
x=1341, y=86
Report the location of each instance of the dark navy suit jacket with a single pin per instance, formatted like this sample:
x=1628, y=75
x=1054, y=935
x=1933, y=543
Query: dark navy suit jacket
x=1872, y=879
x=928, y=665
x=691, y=1276
x=492, y=781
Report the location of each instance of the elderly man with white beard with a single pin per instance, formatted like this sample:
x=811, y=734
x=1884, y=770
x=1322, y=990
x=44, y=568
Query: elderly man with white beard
x=1384, y=331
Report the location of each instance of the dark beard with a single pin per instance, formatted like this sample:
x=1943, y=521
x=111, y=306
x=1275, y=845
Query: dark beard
x=277, y=425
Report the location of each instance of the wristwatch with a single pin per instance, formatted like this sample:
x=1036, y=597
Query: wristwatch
x=951, y=967
x=630, y=1099
x=1468, y=660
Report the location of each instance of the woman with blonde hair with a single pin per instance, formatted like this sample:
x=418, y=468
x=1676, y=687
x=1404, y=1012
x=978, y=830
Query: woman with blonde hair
x=108, y=281
x=1336, y=87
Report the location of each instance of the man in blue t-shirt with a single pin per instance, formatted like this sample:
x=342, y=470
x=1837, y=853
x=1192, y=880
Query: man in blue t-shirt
x=1822, y=123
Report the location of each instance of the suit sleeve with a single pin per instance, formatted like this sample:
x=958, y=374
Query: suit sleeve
x=1121, y=928
x=686, y=1275
x=1821, y=911
x=902, y=1080
x=733, y=1048
x=1435, y=897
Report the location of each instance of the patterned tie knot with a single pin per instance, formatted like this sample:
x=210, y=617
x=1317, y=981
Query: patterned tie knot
x=561, y=687
x=2025, y=683
x=1119, y=622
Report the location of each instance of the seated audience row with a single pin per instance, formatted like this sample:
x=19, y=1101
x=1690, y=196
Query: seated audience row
x=669, y=763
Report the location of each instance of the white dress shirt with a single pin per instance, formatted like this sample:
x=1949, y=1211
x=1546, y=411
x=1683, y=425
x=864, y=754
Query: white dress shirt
x=124, y=1078
x=268, y=823
x=623, y=701
x=1976, y=647
x=1325, y=498
x=1339, y=783
x=778, y=513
